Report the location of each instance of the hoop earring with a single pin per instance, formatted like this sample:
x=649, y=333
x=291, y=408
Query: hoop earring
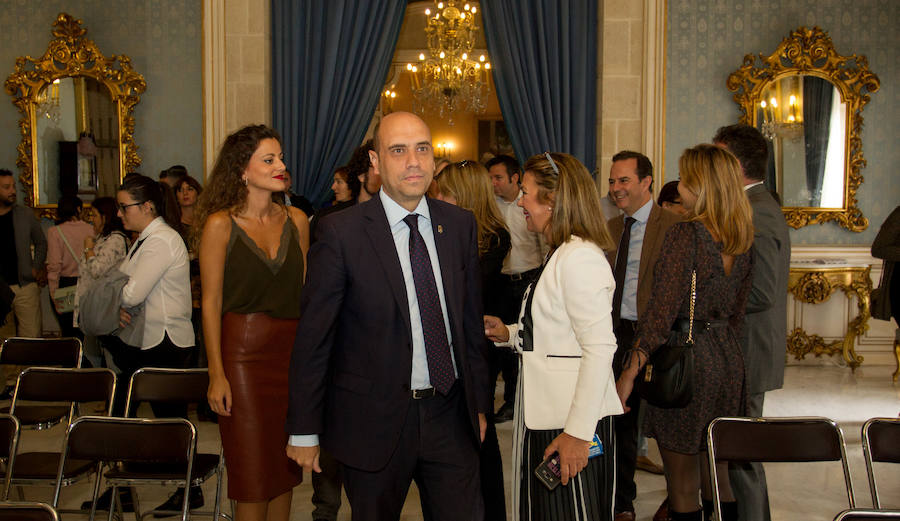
x=244, y=179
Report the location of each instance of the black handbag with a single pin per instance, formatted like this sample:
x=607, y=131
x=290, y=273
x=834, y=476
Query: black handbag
x=667, y=378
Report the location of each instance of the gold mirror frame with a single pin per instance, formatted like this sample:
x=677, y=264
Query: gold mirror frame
x=811, y=52
x=70, y=54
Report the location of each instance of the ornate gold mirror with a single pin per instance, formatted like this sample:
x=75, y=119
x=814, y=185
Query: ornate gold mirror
x=77, y=125
x=807, y=100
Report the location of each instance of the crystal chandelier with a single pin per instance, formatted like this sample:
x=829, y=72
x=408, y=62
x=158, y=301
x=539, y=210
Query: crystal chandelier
x=781, y=110
x=48, y=102
x=449, y=80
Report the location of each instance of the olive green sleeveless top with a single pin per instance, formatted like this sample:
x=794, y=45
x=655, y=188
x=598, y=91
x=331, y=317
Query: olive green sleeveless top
x=254, y=283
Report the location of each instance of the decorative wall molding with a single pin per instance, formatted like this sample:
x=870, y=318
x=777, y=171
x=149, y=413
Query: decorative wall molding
x=653, y=102
x=213, y=80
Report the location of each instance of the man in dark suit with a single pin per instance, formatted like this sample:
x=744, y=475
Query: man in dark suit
x=764, y=335
x=631, y=183
x=388, y=370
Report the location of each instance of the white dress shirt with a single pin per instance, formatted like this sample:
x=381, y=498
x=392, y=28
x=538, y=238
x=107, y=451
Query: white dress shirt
x=528, y=248
x=160, y=278
x=633, y=267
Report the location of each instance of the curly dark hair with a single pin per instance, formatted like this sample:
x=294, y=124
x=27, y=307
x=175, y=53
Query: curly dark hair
x=225, y=190
x=359, y=162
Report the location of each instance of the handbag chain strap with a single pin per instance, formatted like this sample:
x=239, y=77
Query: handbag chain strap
x=690, y=338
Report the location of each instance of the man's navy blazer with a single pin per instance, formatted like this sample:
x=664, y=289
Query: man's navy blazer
x=352, y=359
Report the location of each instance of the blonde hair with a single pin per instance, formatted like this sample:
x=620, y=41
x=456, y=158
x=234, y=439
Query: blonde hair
x=567, y=186
x=715, y=177
x=470, y=184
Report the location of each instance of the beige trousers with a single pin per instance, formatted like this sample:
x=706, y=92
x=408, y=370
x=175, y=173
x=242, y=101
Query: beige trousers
x=24, y=320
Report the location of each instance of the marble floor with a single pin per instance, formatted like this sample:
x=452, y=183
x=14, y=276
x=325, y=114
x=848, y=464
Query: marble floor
x=809, y=491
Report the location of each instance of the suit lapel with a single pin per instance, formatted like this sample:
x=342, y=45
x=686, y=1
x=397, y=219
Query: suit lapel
x=383, y=243
x=444, y=245
x=648, y=248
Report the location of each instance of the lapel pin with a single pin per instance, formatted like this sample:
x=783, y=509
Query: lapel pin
x=440, y=229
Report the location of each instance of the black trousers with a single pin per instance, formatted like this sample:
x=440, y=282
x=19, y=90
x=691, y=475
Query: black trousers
x=326, y=498
x=129, y=359
x=491, y=467
x=436, y=449
x=626, y=427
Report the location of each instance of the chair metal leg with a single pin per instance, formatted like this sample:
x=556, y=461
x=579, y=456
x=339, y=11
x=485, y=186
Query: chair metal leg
x=897, y=355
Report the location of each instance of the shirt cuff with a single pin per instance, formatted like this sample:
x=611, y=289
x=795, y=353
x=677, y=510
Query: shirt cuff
x=304, y=440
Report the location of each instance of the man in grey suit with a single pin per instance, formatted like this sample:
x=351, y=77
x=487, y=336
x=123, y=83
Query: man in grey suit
x=764, y=337
x=23, y=251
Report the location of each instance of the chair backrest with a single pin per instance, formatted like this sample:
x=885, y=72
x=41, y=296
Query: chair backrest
x=867, y=515
x=9, y=441
x=63, y=352
x=61, y=384
x=881, y=443
x=133, y=440
x=797, y=439
x=155, y=384
x=27, y=511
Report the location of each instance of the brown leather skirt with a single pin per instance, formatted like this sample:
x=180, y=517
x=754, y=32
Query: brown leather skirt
x=256, y=353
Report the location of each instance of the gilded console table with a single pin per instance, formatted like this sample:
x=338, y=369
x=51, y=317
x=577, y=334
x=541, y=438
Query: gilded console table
x=814, y=284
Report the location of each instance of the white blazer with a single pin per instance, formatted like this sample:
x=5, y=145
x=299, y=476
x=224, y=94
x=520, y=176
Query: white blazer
x=567, y=380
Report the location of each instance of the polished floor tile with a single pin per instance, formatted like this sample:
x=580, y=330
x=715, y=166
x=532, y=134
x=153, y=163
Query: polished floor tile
x=809, y=491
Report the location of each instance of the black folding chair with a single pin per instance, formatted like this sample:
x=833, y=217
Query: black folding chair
x=9, y=443
x=123, y=443
x=867, y=515
x=881, y=443
x=42, y=352
x=56, y=384
x=793, y=440
x=164, y=385
x=27, y=511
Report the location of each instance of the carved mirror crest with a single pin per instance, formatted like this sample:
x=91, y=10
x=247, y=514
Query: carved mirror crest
x=77, y=121
x=807, y=100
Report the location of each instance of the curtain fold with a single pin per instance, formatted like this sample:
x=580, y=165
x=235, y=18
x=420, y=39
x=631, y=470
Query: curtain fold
x=544, y=58
x=817, y=97
x=329, y=61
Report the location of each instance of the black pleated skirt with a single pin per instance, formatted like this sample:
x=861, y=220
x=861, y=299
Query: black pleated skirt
x=588, y=496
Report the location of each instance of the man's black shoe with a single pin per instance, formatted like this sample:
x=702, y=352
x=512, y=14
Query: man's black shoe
x=173, y=504
x=504, y=413
x=103, y=501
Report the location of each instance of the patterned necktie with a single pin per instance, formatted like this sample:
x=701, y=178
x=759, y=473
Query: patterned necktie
x=621, y=265
x=437, y=349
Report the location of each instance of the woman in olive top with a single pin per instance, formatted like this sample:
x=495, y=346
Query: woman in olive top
x=252, y=253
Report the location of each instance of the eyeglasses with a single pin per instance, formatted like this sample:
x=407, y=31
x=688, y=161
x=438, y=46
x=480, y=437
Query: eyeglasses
x=552, y=163
x=123, y=207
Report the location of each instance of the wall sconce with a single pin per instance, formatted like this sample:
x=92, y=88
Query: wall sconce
x=387, y=100
x=444, y=149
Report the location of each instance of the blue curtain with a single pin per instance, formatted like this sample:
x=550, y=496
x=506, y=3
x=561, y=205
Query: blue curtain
x=329, y=61
x=817, y=99
x=544, y=56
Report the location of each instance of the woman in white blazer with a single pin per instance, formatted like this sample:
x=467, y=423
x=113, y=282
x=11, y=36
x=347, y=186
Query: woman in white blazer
x=565, y=338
